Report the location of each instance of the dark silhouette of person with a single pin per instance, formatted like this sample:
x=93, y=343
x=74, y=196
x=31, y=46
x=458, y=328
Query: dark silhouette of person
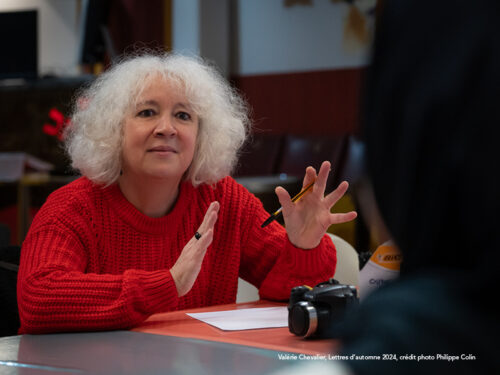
x=431, y=123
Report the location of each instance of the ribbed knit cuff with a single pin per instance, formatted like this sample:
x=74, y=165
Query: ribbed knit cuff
x=297, y=266
x=321, y=259
x=159, y=291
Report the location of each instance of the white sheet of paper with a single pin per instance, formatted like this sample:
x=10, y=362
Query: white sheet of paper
x=255, y=318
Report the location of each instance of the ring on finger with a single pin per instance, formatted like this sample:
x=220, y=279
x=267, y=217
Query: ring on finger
x=197, y=235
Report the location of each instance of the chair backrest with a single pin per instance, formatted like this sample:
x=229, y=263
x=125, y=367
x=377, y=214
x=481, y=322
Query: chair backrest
x=353, y=165
x=299, y=152
x=260, y=155
x=347, y=271
x=246, y=292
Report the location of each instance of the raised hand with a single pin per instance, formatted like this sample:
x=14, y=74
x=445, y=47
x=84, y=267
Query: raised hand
x=188, y=265
x=307, y=219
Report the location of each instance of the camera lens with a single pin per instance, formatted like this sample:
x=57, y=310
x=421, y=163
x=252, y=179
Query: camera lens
x=303, y=319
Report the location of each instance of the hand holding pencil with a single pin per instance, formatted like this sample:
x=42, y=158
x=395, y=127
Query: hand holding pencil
x=307, y=216
x=277, y=213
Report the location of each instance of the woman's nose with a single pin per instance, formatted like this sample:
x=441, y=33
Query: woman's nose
x=165, y=127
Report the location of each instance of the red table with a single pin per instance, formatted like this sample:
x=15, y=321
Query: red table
x=177, y=323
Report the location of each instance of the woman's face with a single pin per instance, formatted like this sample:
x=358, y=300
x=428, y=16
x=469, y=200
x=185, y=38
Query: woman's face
x=159, y=133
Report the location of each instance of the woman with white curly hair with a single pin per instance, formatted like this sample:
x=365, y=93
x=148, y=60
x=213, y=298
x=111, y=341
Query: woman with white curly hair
x=155, y=223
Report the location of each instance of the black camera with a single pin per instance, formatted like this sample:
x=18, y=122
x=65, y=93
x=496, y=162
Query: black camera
x=311, y=311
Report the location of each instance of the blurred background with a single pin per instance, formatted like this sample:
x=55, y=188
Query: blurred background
x=298, y=63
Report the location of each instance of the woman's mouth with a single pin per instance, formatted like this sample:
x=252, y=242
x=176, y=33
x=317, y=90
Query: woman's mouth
x=163, y=150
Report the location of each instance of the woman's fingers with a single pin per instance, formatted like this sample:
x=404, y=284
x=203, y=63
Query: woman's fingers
x=333, y=198
x=207, y=224
x=319, y=178
x=335, y=195
x=343, y=217
x=320, y=184
x=284, y=199
x=309, y=177
x=188, y=265
x=210, y=218
x=203, y=243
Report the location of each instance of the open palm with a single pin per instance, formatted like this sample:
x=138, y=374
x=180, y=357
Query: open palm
x=307, y=219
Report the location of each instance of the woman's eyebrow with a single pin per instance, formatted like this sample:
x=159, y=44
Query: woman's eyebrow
x=147, y=102
x=152, y=102
x=184, y=105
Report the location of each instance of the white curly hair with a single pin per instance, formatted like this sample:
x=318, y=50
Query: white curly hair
x=93, y=141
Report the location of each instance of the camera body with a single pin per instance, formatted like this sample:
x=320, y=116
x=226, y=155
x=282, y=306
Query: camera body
x=312, y=310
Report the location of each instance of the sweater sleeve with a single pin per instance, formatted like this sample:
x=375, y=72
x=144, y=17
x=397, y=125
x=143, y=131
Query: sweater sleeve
x=273, y=264
x=55, y=293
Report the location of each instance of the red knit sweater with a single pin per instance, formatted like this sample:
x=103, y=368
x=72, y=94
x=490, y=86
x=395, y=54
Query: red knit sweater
x=92, y=261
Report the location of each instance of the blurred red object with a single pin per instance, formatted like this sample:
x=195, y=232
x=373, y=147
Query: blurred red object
x=56, y=130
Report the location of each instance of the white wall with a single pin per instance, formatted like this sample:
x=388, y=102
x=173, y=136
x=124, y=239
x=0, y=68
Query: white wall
x=274, y=38
x=186, y=26
x=57, y=33
x=265, y=36
x=201, y=27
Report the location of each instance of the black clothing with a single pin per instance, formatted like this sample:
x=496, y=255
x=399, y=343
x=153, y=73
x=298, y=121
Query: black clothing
x=431, y=125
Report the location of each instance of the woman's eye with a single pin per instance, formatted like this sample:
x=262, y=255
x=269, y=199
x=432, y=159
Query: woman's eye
x=146, y=113
x=183, y=116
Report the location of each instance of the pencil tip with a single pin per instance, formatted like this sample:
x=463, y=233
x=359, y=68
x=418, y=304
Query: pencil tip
x=268, y=221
